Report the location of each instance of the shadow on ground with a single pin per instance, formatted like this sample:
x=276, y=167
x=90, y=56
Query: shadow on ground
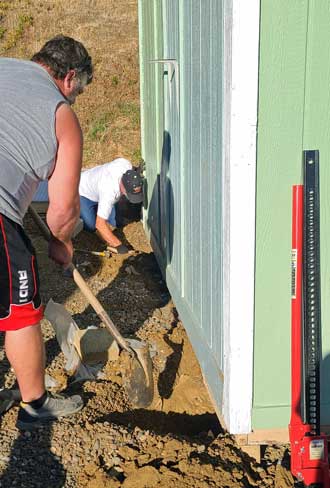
x=166, y=423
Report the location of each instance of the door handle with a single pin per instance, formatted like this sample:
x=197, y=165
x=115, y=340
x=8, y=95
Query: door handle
x=173, y=69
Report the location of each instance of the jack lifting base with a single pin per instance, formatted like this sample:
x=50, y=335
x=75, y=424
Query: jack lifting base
x=309, y=457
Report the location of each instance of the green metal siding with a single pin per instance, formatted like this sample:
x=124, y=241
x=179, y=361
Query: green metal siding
x=152, y=123
x=171, y=165
x=188, y=167
x=293, y=116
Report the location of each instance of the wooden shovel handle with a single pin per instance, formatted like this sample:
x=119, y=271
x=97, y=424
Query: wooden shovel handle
x=40, y=223
x=84, y=288
x=104, y=317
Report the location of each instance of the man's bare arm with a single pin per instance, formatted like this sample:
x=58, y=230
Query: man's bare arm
x=63, y=210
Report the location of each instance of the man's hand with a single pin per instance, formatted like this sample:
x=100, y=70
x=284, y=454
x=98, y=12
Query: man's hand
x=60, y=252
x=121, y=249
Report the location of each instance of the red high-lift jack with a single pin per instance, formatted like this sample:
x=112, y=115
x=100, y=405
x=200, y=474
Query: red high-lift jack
x=309, y=447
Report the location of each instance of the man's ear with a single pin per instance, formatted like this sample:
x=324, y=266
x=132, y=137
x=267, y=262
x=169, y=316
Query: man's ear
x=68, y=79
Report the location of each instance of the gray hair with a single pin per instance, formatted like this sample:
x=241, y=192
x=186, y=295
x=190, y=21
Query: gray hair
x=61, y=54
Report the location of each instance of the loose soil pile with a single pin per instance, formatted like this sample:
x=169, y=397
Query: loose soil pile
x=178, y=441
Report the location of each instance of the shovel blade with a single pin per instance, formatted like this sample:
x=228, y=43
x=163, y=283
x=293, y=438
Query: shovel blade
x=89, y=346
x=65, y=330
x=8, y=398
x=137, y=378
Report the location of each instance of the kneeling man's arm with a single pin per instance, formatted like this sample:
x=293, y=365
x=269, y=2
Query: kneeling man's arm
x=106, y=233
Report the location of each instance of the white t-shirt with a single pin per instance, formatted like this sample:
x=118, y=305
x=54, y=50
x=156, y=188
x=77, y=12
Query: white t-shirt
x=101, y=184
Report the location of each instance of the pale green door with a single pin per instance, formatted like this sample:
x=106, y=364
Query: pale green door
x=294, y=114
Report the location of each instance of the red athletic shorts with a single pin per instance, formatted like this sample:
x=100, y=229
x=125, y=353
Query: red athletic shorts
x=20, y=303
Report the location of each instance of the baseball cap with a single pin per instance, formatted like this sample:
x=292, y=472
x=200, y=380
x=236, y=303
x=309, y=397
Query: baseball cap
x=132, y=182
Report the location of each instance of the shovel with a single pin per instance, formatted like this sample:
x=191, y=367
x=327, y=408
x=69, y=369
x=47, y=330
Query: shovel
x=137, y=377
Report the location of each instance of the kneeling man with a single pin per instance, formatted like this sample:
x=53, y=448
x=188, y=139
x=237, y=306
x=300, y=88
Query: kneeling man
x=100, y=189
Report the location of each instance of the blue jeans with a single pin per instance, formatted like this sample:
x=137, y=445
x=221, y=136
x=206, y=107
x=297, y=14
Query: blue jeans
x=88, y=212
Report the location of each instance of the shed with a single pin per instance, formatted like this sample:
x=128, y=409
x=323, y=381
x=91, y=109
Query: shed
x=232, y=92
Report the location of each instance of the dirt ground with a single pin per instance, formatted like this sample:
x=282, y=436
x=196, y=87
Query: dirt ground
x=178, y=440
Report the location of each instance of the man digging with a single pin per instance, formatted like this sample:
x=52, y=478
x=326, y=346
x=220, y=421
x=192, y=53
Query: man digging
x=40, y=139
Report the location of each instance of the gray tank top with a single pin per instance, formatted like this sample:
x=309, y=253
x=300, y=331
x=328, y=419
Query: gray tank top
x=29, y=98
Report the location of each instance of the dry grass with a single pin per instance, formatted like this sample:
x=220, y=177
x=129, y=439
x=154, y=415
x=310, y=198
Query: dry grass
x=109, y=110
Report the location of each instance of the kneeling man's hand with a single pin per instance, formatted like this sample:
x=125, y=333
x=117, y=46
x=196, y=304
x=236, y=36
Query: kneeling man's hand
x=121, y=249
